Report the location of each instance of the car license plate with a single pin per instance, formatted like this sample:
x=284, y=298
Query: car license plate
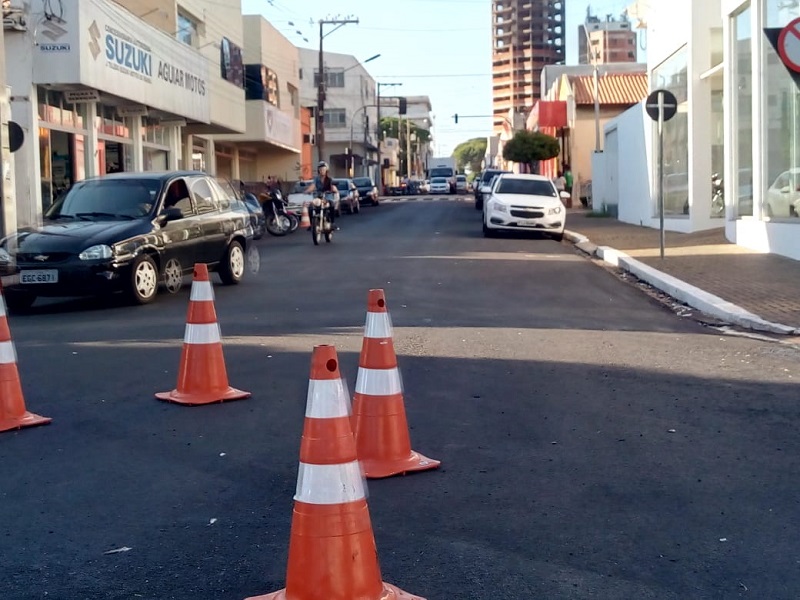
x=528, y=222
x=39, y=276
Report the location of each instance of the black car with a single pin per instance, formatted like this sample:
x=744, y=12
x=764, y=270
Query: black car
x=482, y=180
x=257, y=219
x=127, y=232
x=367, y=191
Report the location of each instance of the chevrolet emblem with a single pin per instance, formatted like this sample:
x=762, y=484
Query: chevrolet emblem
x=41, y=257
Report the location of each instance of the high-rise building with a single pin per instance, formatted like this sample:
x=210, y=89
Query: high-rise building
x=612, y=40
x=527, y=36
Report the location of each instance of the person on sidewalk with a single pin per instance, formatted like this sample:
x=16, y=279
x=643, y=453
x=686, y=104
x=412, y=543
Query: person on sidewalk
x=568, y=178
x=561, y=182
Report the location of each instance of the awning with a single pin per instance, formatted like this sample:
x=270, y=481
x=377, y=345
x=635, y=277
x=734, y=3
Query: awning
x=548, y=113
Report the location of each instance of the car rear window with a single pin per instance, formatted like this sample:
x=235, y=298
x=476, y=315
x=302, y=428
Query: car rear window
x=528, y=187
x=363, y=182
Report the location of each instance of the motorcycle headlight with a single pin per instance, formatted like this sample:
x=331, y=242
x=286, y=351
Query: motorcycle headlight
x=98, y=252
x=317, y=202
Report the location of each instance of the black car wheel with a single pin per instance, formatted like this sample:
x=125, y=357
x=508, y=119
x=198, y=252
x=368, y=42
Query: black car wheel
x=231, y=269
x=173, y=276
x=478, y=204
x=143, y=283
x=19, y=302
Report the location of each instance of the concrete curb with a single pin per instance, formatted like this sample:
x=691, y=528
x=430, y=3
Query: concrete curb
x=680, y=290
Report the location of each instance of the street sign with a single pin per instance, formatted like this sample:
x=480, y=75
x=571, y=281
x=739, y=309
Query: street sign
x=789, y=45
x=669, y=103
x=16, y=136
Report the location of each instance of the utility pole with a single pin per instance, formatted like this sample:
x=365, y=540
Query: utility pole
x=408, y=148
x=320, y=120
x=379, y=182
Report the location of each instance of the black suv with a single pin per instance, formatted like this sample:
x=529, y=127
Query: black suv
x=482, y=180
x=128, y=232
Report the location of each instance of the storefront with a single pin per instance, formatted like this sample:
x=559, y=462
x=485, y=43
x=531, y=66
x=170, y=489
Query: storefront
x=763, y=124
x=112, y=95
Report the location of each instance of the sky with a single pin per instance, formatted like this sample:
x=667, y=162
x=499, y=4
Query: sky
x=438, y=48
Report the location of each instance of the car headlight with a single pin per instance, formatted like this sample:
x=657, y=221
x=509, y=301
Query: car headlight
x=554, y=211
x=500, y=207
x=98, y=252
x=5, y=256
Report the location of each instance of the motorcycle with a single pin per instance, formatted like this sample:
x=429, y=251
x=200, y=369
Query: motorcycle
x=279, y=223
x=320, y=216
x=717, y=196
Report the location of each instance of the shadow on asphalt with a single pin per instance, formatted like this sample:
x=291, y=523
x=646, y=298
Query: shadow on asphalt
x=557, y=481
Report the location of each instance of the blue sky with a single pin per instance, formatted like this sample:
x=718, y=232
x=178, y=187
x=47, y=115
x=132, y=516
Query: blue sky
x=438, y=48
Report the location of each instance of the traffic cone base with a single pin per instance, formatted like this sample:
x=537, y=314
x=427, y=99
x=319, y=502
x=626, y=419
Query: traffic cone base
x=202, y=377
x=28, y=419
x=389, y=592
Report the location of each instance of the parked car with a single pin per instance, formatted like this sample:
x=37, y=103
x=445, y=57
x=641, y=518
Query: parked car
x=481, y=185
x=524, y=202
x=348, y=196
x=783, y=196
x=367, y=192
x=248, y=203
x=127, y=232
x=425, y=187
x=440, y=185
x=461, y=184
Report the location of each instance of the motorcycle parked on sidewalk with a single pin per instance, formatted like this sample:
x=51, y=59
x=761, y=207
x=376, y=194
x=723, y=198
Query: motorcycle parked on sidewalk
x=279, y=223
x=717, y=196
x=320, y=214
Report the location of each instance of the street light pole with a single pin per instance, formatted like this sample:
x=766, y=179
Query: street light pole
x=594, y=57
x=379, y=182
x=320, y=120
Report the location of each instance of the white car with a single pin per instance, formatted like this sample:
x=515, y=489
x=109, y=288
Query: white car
x=439, y=185
x=461, y=184
x=783, y=196
x=524, y=202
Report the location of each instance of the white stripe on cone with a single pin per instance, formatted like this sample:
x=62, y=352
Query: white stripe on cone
x=2, y=306
x=202, y=291
x=378, y=382
x=327, y=399
x=202, y=334
x=330, y=484
x=379, y=325
x=7, y=353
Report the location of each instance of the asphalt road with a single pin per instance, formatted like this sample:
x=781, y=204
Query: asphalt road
x=593, y=444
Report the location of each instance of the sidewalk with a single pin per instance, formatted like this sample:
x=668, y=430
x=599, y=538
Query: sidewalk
x=766, y=285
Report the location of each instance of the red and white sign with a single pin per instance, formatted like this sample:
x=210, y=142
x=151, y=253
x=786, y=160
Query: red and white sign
x=789, y=45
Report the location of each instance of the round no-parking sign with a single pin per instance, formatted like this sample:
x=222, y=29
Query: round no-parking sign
x=789, y=45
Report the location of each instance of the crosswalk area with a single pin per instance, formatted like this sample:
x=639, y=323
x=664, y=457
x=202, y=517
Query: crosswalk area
x=442, y=198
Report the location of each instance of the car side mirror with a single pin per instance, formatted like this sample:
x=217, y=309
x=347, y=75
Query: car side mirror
x=565, y=195
x=170, y=214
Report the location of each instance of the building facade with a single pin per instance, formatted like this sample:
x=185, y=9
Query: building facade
x=527, y=35
x=350, y=115
x=610, y=41
x=272, y=143
x=97, y=90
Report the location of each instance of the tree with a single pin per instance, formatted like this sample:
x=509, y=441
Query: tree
x=530, y=147
x=470, y=153
x=395, y=127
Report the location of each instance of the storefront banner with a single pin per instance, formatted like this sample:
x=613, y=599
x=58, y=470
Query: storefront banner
x=101, y=45
x=279, y=127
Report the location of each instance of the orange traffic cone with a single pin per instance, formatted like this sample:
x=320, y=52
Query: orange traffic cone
x=379, y=414
x=13, y=414
x=332, y=552
x=305, y=219
x=202, y=378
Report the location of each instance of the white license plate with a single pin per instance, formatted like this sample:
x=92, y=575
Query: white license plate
x=528, y=222
x=39, y=276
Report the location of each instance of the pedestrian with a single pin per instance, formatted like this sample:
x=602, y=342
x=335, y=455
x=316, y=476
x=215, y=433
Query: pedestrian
x=561, y=182
x=568, y=178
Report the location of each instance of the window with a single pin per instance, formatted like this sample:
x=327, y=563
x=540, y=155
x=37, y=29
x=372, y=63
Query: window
x=203, y=196
x=333, y=79
x=230, y=62
x=335, y=117
x=225, y=192
x=742, y=78
x=782, y=117
x=178, y=197
x=187, y=30
x=294, y=96
x=672, y=74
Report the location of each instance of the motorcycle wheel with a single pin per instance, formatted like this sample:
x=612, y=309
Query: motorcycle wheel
x=294, y=223
x=275, y=227
x=315, y=232
x=329, y=236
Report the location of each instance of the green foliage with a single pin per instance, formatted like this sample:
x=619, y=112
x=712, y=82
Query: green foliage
x=530, y=147
x=395, y=127
x=470, y=153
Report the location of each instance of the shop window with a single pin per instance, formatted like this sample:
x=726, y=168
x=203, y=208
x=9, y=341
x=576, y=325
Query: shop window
x=782, y=118
x=54, y=108
x=672, y=74
x=742, y=78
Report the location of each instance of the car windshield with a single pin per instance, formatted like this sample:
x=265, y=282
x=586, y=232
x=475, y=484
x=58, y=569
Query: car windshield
x=341, y=184
x=441, y=172
x=489, y=175
x=528, y=187
x=300, y=187
x=108, y=198
x=461, y=178
x=363, y=182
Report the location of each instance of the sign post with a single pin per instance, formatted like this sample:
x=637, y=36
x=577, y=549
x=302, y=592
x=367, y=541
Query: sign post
x=661, y=106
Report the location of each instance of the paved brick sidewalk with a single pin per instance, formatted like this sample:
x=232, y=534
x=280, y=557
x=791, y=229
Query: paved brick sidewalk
x=764, y=284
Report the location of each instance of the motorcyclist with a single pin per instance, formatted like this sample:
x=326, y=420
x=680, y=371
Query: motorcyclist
x=324, y=184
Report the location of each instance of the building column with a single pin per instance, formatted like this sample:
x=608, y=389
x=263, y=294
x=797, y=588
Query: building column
x=211, y=157
x=7, y=171
x=90, y=166
x=235, y=170
x=138, y=144
x=175, y=154
x=188, y=148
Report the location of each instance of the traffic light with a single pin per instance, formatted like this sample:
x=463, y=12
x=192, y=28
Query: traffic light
x=403, y=106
